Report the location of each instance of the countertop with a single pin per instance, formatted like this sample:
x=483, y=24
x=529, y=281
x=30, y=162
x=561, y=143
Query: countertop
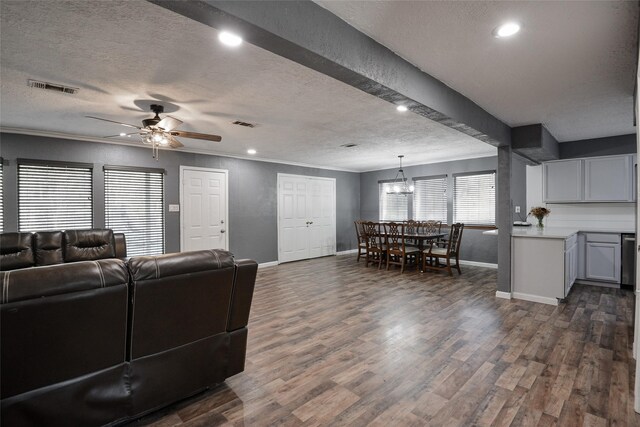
x=560, y=232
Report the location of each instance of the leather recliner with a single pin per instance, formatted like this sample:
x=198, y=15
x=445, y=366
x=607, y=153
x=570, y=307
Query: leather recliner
x=63, y=344
x=21, y=250
x=102, y=342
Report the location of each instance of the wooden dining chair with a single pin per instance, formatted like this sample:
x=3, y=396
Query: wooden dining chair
x=362, y=240
x=376, y=250
x=398, y=251
x=449, y=252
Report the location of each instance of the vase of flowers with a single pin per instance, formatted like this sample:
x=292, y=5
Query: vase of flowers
x=540, y=212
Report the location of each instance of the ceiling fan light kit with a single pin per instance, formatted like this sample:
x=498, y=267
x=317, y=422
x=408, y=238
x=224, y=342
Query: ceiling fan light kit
x=159, y=132
x=400, y=182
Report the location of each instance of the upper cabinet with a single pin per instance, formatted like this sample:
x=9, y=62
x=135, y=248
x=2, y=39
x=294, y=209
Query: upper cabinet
x=595, y=179
x=563, y=181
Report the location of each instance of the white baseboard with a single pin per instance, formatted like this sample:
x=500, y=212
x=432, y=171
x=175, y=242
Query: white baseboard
x=501, y=294
x=478, y=264
x=350, y=251
x=267, y=264
x=535, y=298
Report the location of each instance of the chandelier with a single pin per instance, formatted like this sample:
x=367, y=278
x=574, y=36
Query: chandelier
x=399, y=185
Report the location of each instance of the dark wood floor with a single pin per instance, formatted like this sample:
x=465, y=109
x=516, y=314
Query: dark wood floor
x=332, y=342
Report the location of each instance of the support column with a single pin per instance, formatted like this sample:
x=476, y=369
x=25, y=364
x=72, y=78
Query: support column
x=505, y=221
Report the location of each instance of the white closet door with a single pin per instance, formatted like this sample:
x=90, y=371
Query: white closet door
x=294, y=210
x=306, y=217
x=322, y=238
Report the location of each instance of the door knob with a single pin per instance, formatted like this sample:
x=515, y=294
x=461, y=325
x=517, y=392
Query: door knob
x=222, y=221
x=222, y=231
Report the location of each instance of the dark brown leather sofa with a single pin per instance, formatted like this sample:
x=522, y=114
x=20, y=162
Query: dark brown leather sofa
x=103, y=341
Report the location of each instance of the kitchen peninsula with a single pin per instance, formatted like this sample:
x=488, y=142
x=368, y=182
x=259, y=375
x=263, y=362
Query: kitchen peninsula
x=547, y=262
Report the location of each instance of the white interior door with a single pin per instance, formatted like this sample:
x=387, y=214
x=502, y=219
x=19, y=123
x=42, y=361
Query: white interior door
x=204, y=209
x=306, y=217
x=293, y=207
x=322, y=230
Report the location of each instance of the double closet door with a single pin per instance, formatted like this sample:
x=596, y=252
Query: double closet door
x=306, y=217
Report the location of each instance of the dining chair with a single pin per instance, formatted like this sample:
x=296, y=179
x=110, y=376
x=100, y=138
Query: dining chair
x=449, y=252
x=376, y=250
x=397, y=250
x=362, y=240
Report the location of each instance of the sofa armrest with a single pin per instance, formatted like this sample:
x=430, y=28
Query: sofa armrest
x=244, y=283
x=121, y=245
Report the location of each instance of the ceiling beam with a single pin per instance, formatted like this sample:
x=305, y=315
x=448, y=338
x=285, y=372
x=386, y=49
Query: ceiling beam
x=310, y=35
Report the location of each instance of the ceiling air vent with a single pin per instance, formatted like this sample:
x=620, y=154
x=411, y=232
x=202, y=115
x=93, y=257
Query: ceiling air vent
x=349, y=145
x=53, y=86
x=245, y=124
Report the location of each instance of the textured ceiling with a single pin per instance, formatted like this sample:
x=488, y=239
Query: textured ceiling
x=124, y=54
x=572, y=67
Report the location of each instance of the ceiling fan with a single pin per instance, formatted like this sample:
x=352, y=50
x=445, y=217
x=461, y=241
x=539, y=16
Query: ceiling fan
x=159, y=132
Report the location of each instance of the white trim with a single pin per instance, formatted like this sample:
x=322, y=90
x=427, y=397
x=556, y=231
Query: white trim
x=501, y=294
x=535, y=298
x=267, y=264
x=62, y=135
x=350, y=251
x=226, y=201
x=479, y=264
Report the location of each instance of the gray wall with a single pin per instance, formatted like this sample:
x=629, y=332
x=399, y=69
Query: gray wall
x=252, y=189
x=609, y=146
x=475, y=245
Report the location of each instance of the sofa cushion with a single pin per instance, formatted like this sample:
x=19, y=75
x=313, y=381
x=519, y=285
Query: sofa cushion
x=87, y=245
x=16, y=251
x=59, y=279
x=48, y=247
x=155, y=267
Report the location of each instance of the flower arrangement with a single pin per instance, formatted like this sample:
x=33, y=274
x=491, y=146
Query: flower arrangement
x=540, y=212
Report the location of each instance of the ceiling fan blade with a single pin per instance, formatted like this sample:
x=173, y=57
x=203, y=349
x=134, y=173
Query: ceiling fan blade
x=195, y=135
x=112, y=121
x=128, y=134
x=169, y=123
x=174, y=143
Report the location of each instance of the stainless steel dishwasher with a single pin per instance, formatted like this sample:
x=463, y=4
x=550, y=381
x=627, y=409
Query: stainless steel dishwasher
x=628, y=275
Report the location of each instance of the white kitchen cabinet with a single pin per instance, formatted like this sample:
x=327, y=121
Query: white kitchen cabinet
x=603, y=256
x=593, y=179
x=582, y=255
x=563, y=181
x=570, y=263
x=608, y=179
x=543, y=267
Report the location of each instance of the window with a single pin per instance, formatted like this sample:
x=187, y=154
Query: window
x=474, y=198
x=430, y=199
x=54, y=196
x=134, y=205
x=1, y=198
x=393, y=207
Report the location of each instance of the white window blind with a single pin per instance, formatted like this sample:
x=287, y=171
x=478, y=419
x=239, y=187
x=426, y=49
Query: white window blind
x=134, y=205
x=1, y=198
x=474, y=199
x=430, y=199
x=54, y=196
x=393, y=207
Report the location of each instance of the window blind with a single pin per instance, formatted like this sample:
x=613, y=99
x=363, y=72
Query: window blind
x=54, y=196
x=393, y=207
x=430, y=199
x=134, y=205
x=1, y=198
x=474, y=199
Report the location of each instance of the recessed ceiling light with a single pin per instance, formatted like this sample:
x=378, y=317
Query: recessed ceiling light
x=123, y=134
x=251, y=151
x=401, y=108
x=506, y=30
x=230, y=39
